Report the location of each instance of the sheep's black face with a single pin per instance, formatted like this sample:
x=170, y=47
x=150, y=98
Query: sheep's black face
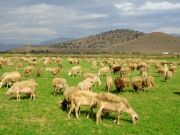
x=64, y=105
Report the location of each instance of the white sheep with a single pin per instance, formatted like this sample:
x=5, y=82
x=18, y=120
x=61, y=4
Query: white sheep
x=103, y=70
x=59, y=84
x=147, y=81
x=85, y=85
x=28, y=71
x=20, y=90
x=137, y=83
x=89, y=75
x=168, y=76
x=54, y=71
x=109, y=83
x=10, y=77
x=94, y=80
x=76, y=70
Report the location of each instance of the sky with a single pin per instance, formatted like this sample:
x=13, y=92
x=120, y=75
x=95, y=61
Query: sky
x=40, y=20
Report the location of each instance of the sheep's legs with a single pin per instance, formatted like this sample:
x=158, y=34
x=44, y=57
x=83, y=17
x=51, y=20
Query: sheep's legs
x=98, y=115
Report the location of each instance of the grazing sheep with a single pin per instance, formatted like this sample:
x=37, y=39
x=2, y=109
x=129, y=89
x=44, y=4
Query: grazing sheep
x=59, y=84
x=173, y=68
x=10, y=77
x=116, y=69
x=20, y=90
x=85, y=85
x=80, y=98
x=39, y=71
x=94, y=80
x=55, y=71
x=127, y=83
x=28, y=71
x=89, y=75
x=119, y=84
x=76, y=70
x=137, y=83
x=168, y=76
x=31, y=83
x=125, y=71
x=147, y=81
x=161, y=72
x=67, y=94
x=103, y=70
x=111, y=102
x=109, y=83
x=18, y=66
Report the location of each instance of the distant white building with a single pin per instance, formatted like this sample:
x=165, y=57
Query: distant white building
x=165, y=53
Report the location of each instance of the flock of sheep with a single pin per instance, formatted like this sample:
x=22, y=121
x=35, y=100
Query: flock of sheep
x=82, y=94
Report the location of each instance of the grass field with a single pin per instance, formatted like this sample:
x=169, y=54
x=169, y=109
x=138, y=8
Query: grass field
x=159, y=111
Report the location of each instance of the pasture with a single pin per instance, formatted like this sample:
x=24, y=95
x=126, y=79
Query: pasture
x=159, y=111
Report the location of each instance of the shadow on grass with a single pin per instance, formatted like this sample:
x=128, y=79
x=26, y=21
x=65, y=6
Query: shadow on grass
x=177, y=93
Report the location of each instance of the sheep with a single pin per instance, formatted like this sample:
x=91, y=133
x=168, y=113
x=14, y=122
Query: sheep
x=111, y=102
x=10, y=77
x=18, y=66
x=76, y=70
x=39, y=71
x=119, y=84
x=127, y=83
x=20, y=90
x=55, y=71
x=28, y=71
x=31, y=83
x=67, y=94
x=89, y=75
x=85, y=85
x=80, y=98
x=59, y=84
x=173, y=68
x=103, y=70
x=116, y=69
x=94, y=80
x=136, y=83
x=147, y=80
x=125, y=71
x=168, y=76
x=109, y=82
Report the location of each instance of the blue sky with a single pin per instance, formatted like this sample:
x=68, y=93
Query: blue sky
x=41, y=20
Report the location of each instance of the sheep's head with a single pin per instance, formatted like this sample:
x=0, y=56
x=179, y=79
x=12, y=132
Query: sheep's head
x=135, y=118
x=64, y=105
x=69, y=74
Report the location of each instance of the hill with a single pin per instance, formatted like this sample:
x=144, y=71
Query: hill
x=114, y=41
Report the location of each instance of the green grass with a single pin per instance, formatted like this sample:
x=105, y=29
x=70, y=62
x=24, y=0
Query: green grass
x=159, y=111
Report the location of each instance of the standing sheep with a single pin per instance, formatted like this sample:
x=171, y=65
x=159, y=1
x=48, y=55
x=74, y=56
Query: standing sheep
x=103, y=70
x=76, y=70
x=89, y=75
x=28, y=71
x=10, y=77
x=85, y=85
x=119, y=84
x=127, y=83
x=114, y=103
x=94, y=80
x=59, y=84
x=54, y=71
x=109, y=83
x=168, y=76
x=20, y=90
x=137, y=83
x=147, y=81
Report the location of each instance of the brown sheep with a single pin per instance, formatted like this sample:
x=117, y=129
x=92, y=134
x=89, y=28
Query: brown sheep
x=119, y=84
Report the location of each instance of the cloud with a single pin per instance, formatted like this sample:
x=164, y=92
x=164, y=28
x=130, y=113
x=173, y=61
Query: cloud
x=160, y=6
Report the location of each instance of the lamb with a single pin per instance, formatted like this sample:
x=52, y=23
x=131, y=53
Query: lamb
x=67, y=94
x=111, y=102
x=20, y=90
x=55, y=71
x=76, y=70
x=28, y=71
x=109, y=82
x=147, y=80
x=10, y=77
x=103, y=70
x=168, y=76
x=137, y=83
x=59, y=84
x=94, y=80
x=80, y=98
x=85, y=85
